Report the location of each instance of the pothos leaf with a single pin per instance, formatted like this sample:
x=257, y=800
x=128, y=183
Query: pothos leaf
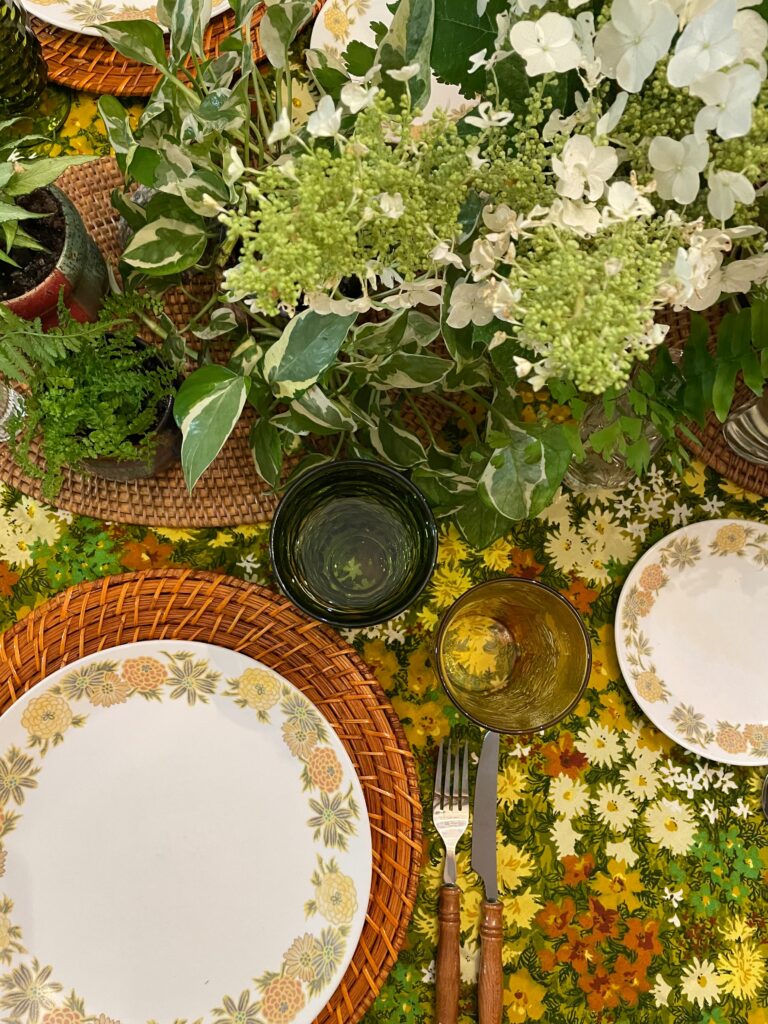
x=396, y=445
x=139, y=40
x=207, y=407
x=307, y=347
x=267, y=451
x=521, y=479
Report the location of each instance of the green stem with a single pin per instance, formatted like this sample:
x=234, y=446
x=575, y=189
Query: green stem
x=201, y=312
x=461, y=413
x=479, y=398
x=420, y=417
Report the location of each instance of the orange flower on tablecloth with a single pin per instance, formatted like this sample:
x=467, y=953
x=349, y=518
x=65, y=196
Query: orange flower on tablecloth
x=601, y=993
x=283, y=998
x=324, y=769
x=555, y=918
x=8, y=578
x=613, y=713
x=618, y=886
x=522, y=562
x=581, y=596
x=523, y=998
x=600, y=920
x=562, y=758
x=579, y=950
x=148, y=553
x=578, y=868
x=642, y=937
x=630, y=978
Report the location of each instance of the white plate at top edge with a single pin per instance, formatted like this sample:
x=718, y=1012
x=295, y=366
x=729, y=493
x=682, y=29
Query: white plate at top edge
x=84, y=16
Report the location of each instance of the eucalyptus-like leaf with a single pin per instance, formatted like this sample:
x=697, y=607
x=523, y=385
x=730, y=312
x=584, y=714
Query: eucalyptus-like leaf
x=520, y=479
x=267, y=450
x=116, y=121
x=280, y=26
x=407, y=370
x=165, y=246
x=189, y=19
x=207, y=407
x=308, y=346
x=408, y=41
x=29, y=176
x=139, y=40
x=322, y=412
x=397, y=446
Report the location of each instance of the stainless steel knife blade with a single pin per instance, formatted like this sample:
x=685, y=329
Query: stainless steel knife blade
x=484, y=815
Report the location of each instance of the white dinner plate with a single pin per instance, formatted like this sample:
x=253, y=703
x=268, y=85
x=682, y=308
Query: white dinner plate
x=690, y=634
x=183, y=837
x=341, y=22
x=84, y=15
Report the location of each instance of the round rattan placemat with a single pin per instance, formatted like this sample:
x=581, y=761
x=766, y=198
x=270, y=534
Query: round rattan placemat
x=711, y=448
x=185, y=605
x=90, y=63
x=229, y=493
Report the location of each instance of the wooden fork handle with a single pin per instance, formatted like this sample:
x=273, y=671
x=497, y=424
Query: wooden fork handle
x=490, y=980
x=447, y=965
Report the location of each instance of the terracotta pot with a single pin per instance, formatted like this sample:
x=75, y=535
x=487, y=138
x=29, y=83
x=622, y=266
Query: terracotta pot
x=80, y=273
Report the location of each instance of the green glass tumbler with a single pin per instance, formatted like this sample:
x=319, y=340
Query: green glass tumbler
x=23, y=73
x=353, y=543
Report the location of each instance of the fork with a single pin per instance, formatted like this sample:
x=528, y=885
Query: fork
x=450, y=814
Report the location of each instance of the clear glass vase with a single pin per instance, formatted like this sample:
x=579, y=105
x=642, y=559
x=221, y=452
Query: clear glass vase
x=11, y=403
x=595, y=472
x=746, y=431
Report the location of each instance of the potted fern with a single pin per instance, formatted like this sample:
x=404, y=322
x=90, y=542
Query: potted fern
x=96, y=397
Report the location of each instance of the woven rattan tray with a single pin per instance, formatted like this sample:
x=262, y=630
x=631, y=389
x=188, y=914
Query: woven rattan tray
x=90, y=63
x=185, y=605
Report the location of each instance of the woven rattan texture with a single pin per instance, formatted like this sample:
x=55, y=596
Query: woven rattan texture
x=229, y=493
x=186, y=605
x=91, y=64
x=711, y=447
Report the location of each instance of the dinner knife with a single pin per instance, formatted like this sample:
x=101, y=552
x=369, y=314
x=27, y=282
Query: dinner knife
x=490, y=978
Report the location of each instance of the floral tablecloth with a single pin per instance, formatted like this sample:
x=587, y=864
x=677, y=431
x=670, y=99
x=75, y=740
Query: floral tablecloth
x=634, y=875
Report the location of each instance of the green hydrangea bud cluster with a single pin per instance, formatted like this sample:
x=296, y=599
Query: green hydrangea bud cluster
x=518, y=169
x=659, y=109
x=585, y=302
x=309, y=227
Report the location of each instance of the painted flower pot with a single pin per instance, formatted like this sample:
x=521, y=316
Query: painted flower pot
x=80, y=275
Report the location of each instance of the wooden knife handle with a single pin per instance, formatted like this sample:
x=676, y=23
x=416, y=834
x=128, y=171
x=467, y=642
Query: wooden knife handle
x=447, y=966
x=490, y=981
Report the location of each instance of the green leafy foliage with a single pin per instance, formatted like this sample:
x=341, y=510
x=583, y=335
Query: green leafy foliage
x=95, y=393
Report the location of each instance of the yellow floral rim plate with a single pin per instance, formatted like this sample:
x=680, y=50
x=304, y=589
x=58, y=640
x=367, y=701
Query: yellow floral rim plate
x=183, y=838
x=690, y=635
x=84, y=15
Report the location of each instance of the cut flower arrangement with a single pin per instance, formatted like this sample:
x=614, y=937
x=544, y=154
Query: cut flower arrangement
x=609, y=164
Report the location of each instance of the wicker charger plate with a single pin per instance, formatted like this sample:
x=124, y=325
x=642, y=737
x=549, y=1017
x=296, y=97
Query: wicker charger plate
x=185, y=605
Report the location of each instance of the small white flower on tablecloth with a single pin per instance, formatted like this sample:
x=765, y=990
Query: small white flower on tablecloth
x=709, y=811
x=680, y=514
x=712, y=506
x=661, y=991
x=741, y=808
x=428, y=973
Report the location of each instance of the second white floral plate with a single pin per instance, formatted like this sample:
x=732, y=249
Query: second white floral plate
x=690, y=635
x=84, y=15
x=183, y=838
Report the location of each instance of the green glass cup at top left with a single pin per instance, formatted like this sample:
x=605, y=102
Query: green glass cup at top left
x=353, y=543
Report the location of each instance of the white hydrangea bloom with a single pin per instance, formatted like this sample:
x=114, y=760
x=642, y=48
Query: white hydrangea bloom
x=753, y=34
x=405, y=73
x=708, y=43
x=726, y=188
x=678, y=166
x=443, y=255
x=471, y=304
x=612, y=116
x=487, y=117
x=545, y=45
x=583, y=168
x=728, y=97
x=581, y=218
x=325, y=122
x=391, y=205
x=634, y=40
x=624, y=202
x=356, y=97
